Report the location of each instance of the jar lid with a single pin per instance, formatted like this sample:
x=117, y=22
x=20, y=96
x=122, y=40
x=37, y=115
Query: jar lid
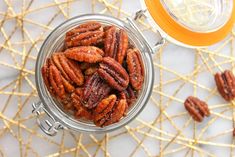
x=193, y=22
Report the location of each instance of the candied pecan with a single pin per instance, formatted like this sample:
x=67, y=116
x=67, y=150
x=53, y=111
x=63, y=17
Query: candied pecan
x=135, y=68
x=95, y=89
x=69, y=69
x=53, y=80
x=89, y=26
x=113, y=73
x=116, y=43
x=110, y=111
x=226, y=84
x=197, y=108
x=56, y=82
x=118, y=112
x=87, y=34
x=104, y=108
x=68, y=87
x=130, y=95
x=89, y=54
x=81, y=112
x=45, y=74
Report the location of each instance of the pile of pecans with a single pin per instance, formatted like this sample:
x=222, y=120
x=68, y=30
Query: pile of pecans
x=98, y=75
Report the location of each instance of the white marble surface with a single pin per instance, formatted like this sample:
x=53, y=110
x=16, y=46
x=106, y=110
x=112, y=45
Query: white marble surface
x=174, y=63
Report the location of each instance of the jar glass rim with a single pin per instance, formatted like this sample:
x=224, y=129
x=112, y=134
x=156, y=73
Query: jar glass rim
x=52, y=41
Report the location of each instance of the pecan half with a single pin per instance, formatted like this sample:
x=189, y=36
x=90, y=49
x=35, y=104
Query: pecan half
x=69, y=69
x=45, y=75
x=135, y=68
x=89, y=26
x=130, y=95
x=225, y=83
x=103, y=109
x=87, y=34
x=53, y=80
x=95, y=89
x=116, y=43
x=81, y=112
x=89, y=54
x=197, y=108
x=118, y=112
x=113, y=73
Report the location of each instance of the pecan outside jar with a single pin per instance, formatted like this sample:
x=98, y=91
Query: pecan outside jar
x=55, y=117
x=209, y=22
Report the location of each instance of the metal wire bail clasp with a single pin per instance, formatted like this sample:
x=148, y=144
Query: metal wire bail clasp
x=50, y=126
x=139, y=15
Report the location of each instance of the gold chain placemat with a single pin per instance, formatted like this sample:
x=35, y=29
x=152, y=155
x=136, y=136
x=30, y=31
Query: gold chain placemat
x=162, y=129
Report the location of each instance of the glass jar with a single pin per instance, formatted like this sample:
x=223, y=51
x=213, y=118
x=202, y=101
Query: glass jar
x=56, y=118
x=190, y=23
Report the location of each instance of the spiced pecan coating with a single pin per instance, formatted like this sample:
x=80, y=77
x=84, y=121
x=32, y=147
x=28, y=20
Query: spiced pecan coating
x=113, y=73
x=135, y=68
x=225, y=83
x=197, y=108
x=104, y=108
x=116, y=43
x=89, y=54
x=95, y=89
x=87, y=34
x=69, y=69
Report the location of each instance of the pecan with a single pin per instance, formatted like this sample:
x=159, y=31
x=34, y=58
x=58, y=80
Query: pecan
x=116, y=43
x=135, y=68
x=45, y=74
x=233, y=132
x=113, y=73
x=110, y=111
x=89, y=26
x=81, y=112
x=69, y=69
x=118, y=112
x=89, y=54
x=197, y=108
x=130, y=95
x=87, y=34
x=95, y=89
x=103, y=109
x=226, y=84
x=53, y=80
